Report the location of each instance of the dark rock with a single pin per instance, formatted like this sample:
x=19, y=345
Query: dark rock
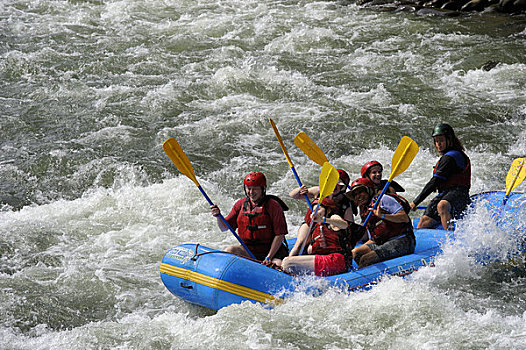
x=435, y=3
x=380, y=2
x=406, y=8
x=489, y=65
x=362, y=2
x=437, y=12
x=474, y=5
x=512, y=5
x=454, y=5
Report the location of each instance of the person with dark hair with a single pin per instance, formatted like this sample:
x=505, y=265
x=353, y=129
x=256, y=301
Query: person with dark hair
x=389, y=230
x=451, y=178
x=260, y=222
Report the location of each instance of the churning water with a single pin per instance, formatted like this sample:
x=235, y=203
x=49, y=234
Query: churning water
x=89, y=202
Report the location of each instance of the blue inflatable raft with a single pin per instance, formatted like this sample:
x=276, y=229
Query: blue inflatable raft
x=215, y=279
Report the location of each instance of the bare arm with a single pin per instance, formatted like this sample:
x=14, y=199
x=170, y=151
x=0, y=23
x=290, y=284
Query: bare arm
x=399, y=217
x=215, y=212
x=333, y=220
x=348, y=215
x=276, y=243
x=299, y=192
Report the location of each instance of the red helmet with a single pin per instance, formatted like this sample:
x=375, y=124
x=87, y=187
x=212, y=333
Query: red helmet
x=361, y=183
x=344, y=177
x=255, y=178
x=367, y=166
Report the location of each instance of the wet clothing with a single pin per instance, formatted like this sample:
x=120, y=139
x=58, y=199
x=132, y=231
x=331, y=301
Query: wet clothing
x=342, y=205
x=330, y=264
x=327, y=249
x=459, y=178
x=394, y=248
x=382, y=231
x=325, y=240
x=257, y=226
x=452, y=179
x=458, y=198
x=391, y=239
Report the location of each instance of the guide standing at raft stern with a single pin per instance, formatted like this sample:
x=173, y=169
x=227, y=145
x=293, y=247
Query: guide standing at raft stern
x=260, y=221
x=452, y=179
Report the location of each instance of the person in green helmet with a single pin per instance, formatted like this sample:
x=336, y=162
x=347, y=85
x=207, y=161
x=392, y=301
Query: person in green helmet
x=451, y=178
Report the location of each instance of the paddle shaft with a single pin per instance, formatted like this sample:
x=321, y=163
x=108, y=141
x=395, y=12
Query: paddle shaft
x=176, y=154
x=220, y=216
x=328, y=179
x=284, y=149
x=402, y=158
x=515, y=176
x=310, y=229
x=299, y=183
x=377, y=202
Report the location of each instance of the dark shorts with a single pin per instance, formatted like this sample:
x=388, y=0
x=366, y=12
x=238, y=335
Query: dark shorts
x=394, y=248
x=458, y=198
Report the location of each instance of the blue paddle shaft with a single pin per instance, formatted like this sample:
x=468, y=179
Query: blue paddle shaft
x=299, y=183
x=377, y=202
x=227, y=224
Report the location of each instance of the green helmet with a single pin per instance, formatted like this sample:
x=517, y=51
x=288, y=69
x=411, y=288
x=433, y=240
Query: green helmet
x=443, y=129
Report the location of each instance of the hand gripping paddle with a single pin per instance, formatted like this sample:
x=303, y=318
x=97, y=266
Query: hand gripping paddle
x=181, y=161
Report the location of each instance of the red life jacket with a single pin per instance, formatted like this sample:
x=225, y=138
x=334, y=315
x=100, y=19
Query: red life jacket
x=462, y=178
x=383, y=230
x=254, y=225
x=325, y=240
x=342, y=206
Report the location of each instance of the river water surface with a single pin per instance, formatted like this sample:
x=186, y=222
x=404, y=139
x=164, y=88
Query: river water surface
x=89, y=203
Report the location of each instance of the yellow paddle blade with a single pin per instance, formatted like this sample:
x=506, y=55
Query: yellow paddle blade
x=328, y=180
x=310, y=148
x=516, y=174
x=179, y=158
x=278, y=136
x=403, y=156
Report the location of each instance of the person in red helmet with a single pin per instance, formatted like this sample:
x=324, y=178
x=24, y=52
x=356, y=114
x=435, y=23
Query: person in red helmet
x=344, y=207
x=260, y=221
x=389, y=229
x=373, y=171
x=451, y=178
x=325, y=254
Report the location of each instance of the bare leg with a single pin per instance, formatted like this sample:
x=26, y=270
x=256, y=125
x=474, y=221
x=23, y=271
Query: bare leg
x=426, y=221
x=238, y=250
x=299, y=264
x=444, y=210
x=364, y=256
x=358, y=252
x=277, y=261
x=301, y=236
x=368, y=259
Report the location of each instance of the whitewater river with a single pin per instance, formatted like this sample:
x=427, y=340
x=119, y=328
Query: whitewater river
x=89, y=203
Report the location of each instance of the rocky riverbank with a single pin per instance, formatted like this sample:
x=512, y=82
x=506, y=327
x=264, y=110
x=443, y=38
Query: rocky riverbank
x=447, y=7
